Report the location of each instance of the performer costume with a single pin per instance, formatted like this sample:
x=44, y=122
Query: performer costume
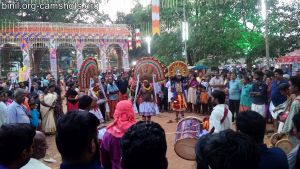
x=148, y=69
x=147, y=106
x=179, y=100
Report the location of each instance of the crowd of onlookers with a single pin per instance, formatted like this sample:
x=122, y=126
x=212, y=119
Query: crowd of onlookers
x=249, y=99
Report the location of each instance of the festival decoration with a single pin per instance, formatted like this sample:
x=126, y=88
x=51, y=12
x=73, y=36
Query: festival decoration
x=23, y=74
x=79, y=48
x=88, y=70
x=155, y=17
x=37, y=31
x=76, y=34
x=130, y=43
x=138, y=38
x=289, y=58
x=178, y=67
x=53, y=62
x=25, y=52
x=146, y=67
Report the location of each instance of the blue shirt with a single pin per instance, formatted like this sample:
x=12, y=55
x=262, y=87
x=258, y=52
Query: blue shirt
x=262, y=89
x=234, y=89
x=35, y=118
x=272, y=158
x=276, y=97
x=45, y=82
x=90, y=166
x=112, y=92
x=17, y=113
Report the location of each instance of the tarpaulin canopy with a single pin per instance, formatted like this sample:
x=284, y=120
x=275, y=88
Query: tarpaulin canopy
x=290, y=58
x=199, y=67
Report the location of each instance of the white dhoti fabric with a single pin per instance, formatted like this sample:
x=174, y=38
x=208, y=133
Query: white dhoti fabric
x=259, y=108
x=280, y=127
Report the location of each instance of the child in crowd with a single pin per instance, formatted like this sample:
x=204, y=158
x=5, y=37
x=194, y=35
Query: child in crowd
x=204, y=100
x=35, y=114
x=198, y=105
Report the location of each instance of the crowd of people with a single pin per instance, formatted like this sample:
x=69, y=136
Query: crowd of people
x=248, y=99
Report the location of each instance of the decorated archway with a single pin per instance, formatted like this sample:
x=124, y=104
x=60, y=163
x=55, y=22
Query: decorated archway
x=25, y=34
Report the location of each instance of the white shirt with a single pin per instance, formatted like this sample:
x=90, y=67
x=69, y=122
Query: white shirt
x=157, y=88
x=170, y=94
x=35, y=164
x=97, y=113
x=216, y=116
x=216, y=81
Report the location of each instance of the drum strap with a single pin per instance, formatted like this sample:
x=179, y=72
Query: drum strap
x=225, y=115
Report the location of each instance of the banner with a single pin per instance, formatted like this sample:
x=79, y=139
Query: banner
x=25, y=52
x=79, y=55
x=102, y=47
x=24, y=72
x=155, y=17
x=53, y=58
x=138, y=38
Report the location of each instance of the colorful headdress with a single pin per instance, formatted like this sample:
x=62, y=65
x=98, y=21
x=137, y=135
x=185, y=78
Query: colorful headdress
x=146, y=67
x=88, y=71
x=178, y=68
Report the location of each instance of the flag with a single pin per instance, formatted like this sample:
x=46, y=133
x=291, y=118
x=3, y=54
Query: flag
x=155, y=17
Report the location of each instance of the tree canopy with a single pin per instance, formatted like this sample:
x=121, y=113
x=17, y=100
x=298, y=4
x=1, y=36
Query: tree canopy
x=220, y=30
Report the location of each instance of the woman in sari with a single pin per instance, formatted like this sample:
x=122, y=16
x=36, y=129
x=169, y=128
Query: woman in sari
x=72, y=98
x=48, y=102
x=193, y=83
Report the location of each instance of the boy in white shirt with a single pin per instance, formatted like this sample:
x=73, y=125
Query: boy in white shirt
x=220, y=118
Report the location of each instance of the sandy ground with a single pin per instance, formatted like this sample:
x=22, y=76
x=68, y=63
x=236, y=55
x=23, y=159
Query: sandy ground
x=175, y=162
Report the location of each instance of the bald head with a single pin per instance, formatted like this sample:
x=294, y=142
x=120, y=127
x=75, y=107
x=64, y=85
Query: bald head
x=40, y=145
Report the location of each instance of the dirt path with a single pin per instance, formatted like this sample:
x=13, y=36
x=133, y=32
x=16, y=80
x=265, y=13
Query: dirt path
x=175, y=162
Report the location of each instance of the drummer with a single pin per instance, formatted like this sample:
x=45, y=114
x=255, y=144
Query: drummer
x=253, y=124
